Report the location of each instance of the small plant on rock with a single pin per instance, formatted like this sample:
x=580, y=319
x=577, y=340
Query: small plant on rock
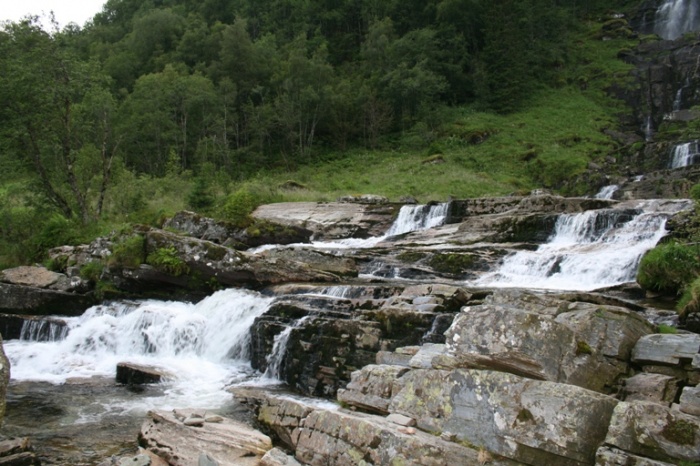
x=167, y=260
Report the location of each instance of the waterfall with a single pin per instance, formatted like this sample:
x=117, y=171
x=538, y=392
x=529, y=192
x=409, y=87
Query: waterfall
x=418, y=217
x=606, y=192
x=676, y=17
x=648, y=128
x=43, y=330
x=589, y=250
x=204, y=346
x=279, y=350
x=684, y=155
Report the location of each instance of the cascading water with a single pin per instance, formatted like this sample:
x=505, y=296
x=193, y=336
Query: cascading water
x=607, y=192
x=676, y=17
x=43, y=330
x=204, y=346
x=279, y=349
x=684, y=155
x=590, y=250
x=419, y=217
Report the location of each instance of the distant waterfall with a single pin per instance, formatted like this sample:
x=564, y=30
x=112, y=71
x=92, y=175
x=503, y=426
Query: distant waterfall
x=418, y=217
x=607, y=192
x=589, y=250
x=684, y=155
x=676, y=17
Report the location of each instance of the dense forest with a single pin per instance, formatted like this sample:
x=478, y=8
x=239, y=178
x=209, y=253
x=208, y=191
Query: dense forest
x=164, y=104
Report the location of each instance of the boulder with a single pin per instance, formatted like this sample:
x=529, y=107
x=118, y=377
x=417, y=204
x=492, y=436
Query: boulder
x=321, y=435
x=372, y=387
x=655, y=431
x=229, y=443
x=666, y=349
x=528, y=421
x=257, y=234
x=332, y=263
x=17, y=452
x=547, y=338
x=277, y=457
x=690, y=401
x=18, y=299
x=657, y=388
x=332, y=220
x=137, y=374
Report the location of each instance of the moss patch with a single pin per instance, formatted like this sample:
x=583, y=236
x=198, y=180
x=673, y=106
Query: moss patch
x=451, y=263
x=680, y=431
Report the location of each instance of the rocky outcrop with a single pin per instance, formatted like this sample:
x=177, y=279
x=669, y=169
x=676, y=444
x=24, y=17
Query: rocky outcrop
x=18, y=452
x=18, y=299
x=321, y=435
x=137, y=374
x=332, y=220
x=181, y=436
x=227, y=234
x=545, y=338
x=330, y=337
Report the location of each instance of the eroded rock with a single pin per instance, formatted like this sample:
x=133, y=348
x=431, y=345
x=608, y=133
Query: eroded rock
x=229, y=443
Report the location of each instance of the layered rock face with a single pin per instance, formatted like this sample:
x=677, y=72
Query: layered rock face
x=522, y=378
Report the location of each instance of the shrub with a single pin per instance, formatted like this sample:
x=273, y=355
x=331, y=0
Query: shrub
x=690, y=301
x=238, y=207
x=695, y=192
x=669, y=268
x=167, y=260
x=92, y=271
x=129, y=252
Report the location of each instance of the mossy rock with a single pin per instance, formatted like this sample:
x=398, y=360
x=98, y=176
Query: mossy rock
x=452, y=263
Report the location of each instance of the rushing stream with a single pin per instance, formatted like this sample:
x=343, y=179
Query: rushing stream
x=63, y=369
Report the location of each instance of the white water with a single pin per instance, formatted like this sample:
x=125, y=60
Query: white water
x=418, y=217
x=676, y=17
x=279, y=349
x=606, y=192
x=204, y=346
x=684, y=155
x=590, y=250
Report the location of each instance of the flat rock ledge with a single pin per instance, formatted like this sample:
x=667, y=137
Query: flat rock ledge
x=183, y=437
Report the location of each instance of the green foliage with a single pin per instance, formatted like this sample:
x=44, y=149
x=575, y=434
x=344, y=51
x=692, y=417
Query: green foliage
x=92, y=271
x=695, y=193
x=167, y=260
x=667, y=329
x=200, y=197
x=451, y=263
x=238, y=207
x=411, y=256
x=668, y=268
x=583, y=348
x=689, y=303
x=129, y=252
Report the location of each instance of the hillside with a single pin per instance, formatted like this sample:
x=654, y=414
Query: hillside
x=220, y=106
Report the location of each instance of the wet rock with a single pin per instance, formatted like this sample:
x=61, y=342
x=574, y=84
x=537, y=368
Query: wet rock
x=337, y=265
x=229, y=443
x=138, y=460
x=4, y=380
x=17, y=452
x=528, y=421
x=206, y=460
x=137, y=374
x=654, y=431
x=18, y=299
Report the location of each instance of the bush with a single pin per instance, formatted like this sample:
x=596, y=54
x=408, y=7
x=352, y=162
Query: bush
x=129, y=252
x=669, y=268
x=690, y=301
x=238, y=207
x=695, y=193
x=167, y=260
x=92, y=271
